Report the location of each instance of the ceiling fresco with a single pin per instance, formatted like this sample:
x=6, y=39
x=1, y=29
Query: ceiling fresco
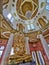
x=27, y=8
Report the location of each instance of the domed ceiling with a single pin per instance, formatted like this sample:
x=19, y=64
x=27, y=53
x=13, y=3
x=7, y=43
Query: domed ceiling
x=27, y=11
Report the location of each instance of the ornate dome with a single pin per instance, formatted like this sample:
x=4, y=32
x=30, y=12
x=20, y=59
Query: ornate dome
x=31, y=13
x=27, y=9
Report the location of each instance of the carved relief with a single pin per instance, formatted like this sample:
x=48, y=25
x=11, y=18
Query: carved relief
x=19, y=45
x=19, y=50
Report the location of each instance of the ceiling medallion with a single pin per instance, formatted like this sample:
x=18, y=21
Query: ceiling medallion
x=27, y=9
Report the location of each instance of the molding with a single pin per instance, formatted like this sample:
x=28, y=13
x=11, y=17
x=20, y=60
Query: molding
x=5, y=2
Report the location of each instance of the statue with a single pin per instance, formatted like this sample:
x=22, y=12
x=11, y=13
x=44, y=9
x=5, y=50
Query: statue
x=19, y=50
x=19, y=46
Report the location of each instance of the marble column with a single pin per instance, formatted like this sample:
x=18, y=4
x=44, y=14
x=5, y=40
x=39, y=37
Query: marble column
x=27, y=45
x=7, y=50
x=45, y=45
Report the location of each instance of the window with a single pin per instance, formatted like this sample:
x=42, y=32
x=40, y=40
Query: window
x=1, y=53
x=9, y=16
x=47, y=1
x=12, y=19
x=30, y=27
x=47, y=7
x=1, y=48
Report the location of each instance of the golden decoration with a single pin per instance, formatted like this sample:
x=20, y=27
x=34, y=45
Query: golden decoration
x=19, y=50
x=26, y=8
